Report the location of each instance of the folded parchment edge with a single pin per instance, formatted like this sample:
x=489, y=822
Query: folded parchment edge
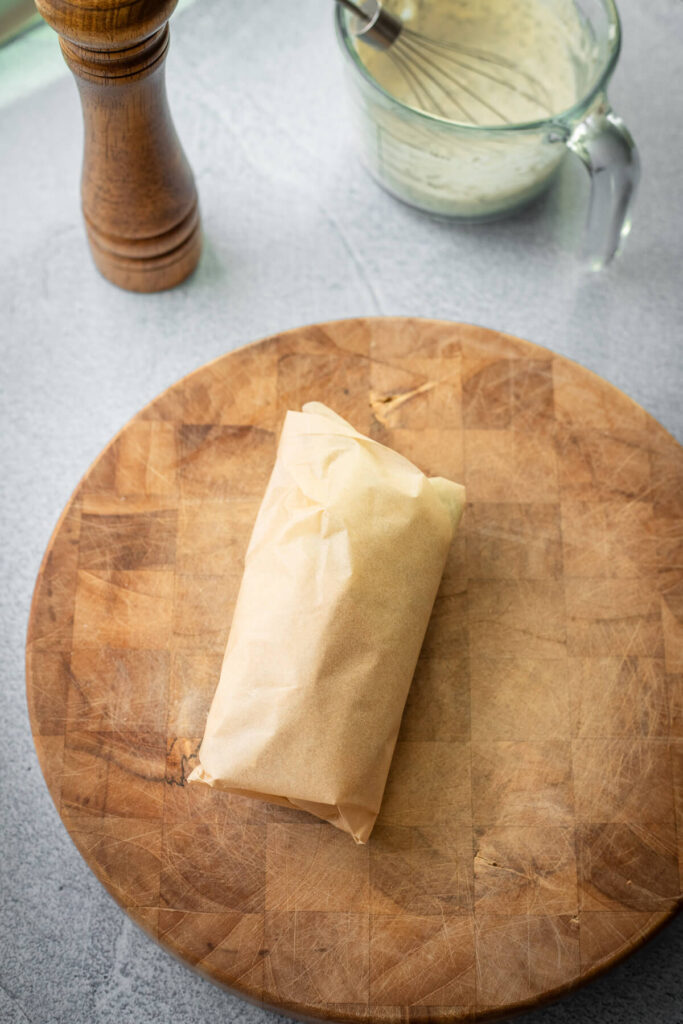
x=340, y=815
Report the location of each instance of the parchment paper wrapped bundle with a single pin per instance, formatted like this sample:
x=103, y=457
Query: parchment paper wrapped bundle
x=340, y=577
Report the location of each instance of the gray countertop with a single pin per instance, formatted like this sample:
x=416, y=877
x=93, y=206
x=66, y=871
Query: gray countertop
x=295, y=232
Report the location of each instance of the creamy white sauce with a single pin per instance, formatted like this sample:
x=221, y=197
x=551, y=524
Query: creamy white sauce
x=539, y=59
x=494, y=62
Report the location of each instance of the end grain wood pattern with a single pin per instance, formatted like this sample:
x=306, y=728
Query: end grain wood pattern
x=139, y=198
x=531, y=832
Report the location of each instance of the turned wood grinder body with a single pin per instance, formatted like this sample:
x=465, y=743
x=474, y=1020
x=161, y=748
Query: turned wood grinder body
x=139, y=197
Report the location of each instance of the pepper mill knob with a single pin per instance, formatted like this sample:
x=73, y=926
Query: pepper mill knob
x=139, y=197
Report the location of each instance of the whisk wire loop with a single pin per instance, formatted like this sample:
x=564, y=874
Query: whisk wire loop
x=437, y=74
x=442, y=77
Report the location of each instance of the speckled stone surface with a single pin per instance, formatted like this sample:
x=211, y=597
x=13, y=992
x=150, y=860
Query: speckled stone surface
x=294, y=233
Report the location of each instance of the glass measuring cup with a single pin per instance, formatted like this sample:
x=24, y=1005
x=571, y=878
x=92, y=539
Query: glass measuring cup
x=470, y=172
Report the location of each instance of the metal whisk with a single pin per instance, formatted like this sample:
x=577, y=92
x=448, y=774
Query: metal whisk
x=441, y=77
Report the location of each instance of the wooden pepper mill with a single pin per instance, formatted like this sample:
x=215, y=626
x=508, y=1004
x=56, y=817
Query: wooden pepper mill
x=139, y=198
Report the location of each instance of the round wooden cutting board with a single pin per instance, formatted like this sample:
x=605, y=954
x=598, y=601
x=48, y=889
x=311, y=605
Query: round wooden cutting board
x=532, y=826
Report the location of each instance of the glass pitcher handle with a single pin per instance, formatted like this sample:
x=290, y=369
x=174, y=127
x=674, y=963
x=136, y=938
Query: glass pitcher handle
x=606, y=147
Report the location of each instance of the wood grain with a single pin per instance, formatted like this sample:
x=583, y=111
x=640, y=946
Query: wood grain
x=531, y=831
x=139, y=198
